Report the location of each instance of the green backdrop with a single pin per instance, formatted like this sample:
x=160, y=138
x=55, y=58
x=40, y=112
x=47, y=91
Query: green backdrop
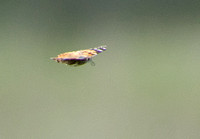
x=145, y=86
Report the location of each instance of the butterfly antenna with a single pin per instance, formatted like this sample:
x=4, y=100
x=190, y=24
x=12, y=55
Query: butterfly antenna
x=53, y=58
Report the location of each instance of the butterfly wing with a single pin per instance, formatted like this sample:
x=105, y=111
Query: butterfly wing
x=78, y=57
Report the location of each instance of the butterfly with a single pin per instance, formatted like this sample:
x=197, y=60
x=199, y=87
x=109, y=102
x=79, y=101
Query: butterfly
x=77, y=58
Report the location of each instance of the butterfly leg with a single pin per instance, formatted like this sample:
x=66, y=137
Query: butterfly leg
x=92, y=62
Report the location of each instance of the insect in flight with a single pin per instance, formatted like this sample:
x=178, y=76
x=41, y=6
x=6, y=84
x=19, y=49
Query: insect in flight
x=77, y=58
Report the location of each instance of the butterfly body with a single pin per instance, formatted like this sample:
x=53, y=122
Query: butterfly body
x=76, y=58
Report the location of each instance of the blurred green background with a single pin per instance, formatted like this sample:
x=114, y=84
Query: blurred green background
x=145, y=86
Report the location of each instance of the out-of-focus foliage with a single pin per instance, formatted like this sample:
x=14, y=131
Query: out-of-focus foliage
x=146, y=85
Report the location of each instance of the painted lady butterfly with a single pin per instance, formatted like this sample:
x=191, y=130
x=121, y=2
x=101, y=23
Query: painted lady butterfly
x=76, y=58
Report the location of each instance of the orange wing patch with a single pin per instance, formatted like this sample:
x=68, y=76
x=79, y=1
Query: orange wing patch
x=80, y=57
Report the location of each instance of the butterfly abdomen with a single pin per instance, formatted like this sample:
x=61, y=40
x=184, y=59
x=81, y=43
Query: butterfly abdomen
x=99, y=49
